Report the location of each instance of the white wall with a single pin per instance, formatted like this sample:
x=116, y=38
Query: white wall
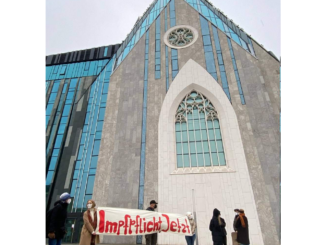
x=224, y=188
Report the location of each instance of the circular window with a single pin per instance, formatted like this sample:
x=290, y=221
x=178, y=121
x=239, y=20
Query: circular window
x=180, y=36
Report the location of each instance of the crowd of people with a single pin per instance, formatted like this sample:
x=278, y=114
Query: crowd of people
x=56, y=217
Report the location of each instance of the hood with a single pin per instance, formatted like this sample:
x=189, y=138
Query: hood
x=216, y=212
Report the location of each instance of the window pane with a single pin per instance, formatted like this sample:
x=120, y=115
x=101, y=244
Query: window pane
x=98, y=135
x=209, y=124
x=192, y=147
x=189, y=116
x=218, y=134
x=179, y=161
x=205, y=143
x=220, y=146
x=185, y=148
x=222, y=159
x=73, y=188
x=207, y=159
x=197, y=134
x=193, y=160
x=53, y=163
x=200, y=157
x=196, y=123
x=202, y=123
x=191, y=135
x=199, y=147
x=184, y=136
x=190, y=124
x=179, y=148
x=213, y=146
x=58, y=141
x=214, y=159
x=80, y=152
x=178, y=136
x=101, y=114
x=90, y=185
x=216, y=124
x=177, y=126
x=94, y=162
x=77, y=166
x=99, y=126
x=49, y=177
x=96, y=148
x=186, y=161
x=202, y=115
x=211, y=134
x=204, y=134
x=184, y=126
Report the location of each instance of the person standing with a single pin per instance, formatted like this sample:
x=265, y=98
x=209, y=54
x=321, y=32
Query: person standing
x=237, y=211
x=242, y=228
x=191, y=239
x=56, y=218
x=217, y=227
x=151, y=239
x=88, y=235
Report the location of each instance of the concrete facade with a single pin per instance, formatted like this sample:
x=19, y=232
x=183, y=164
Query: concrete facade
x=256, y=162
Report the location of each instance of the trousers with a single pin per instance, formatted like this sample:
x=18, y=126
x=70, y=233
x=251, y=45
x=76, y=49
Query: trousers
x=151, y=239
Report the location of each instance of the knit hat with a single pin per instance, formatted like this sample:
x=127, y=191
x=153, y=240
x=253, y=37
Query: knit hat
x=65, y=196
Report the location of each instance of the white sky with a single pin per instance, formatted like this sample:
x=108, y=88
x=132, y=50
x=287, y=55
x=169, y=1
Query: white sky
x=75, y=25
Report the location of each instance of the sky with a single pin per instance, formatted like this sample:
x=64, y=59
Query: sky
x=74, y=25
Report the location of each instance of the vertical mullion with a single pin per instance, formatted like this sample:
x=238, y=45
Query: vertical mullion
x=218, y=157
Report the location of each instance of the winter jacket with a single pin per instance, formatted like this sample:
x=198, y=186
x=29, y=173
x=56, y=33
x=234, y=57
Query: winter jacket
x=57, y=220
x=86, y=233
x=218, y=230
x=243, y=232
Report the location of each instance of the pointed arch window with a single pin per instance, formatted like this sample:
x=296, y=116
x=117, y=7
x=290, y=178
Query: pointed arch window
x=198, y=135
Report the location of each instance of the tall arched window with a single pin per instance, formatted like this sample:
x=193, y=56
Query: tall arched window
x=198, y=135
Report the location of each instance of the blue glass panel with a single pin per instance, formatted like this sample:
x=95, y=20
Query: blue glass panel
x=94, y=162
x=66, y=110
x=58, y=141
x=99, y=126
x=193, y=160
x=55, y=152
x=98, y=135
x=222, y=159
x=206, y=40
x=207, y=159
x=96, y=147
x=205, y=145
x=200, y=158
x=186, y=160
x=49, y=109
x=214, y=159
x=53, y=163
x=90, y=184
x=49, y=177
x=105, y=51
x=212, y=145
x=73, y=188
x=219, y=146
x=80, y=152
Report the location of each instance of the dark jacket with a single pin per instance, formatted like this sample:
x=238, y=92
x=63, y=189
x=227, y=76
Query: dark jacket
x=234, y=221
x=243, y=232
x=218, y=230
x=150, y=209
x=56, y=222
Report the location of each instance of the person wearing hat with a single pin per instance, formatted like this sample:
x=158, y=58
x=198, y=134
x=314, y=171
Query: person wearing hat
x=217, y=227
x=242, y=228
x=88, y=235
x=151, y=239
x=56, y=218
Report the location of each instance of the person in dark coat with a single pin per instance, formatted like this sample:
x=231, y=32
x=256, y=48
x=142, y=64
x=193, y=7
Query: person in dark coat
x=55, y=229
x=237, y=211
x=242, y=228
x=151, y=239
x=217, y=227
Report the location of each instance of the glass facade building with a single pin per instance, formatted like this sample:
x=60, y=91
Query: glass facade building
x=184, y=109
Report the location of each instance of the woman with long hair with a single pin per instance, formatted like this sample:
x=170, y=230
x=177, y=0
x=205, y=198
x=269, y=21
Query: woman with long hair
x=217, y=227
x=242, y=228
x=88, y=235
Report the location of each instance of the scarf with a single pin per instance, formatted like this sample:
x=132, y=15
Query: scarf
x=243, y=224
x=93, y=222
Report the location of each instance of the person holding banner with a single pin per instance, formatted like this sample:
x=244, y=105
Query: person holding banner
x=191, y=239
x=151, y=239
x=88, y=235
x=217, y=227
